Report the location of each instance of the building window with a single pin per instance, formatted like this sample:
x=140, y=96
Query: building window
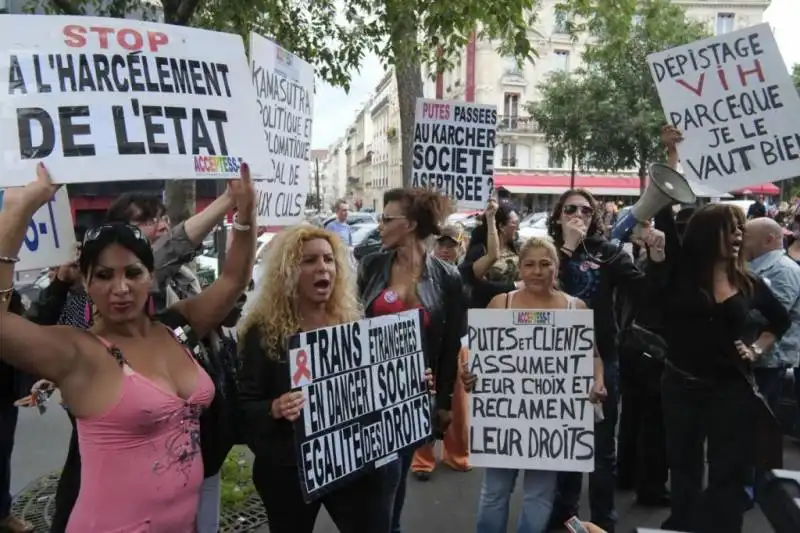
x=511, y=104
x=509, y=155
x=560, y=22
x=561, y=60
x=554, y=160
x=725, y=23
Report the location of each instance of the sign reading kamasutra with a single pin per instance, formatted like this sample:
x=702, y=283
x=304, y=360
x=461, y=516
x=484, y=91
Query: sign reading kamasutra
x=365, y=398
x=284, y=86
x=111, y=99
x=530, y=407
x=735, y=102
x=454, y=150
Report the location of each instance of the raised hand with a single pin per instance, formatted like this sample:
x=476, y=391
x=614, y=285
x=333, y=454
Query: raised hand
x=33, y=195
x=244, y=194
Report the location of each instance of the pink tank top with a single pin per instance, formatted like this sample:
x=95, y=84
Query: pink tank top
x=141, y=463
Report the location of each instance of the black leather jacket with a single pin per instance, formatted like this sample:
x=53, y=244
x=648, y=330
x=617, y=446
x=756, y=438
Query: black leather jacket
x=439, y=291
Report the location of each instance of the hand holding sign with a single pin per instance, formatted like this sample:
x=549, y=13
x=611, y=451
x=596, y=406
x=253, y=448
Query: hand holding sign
x=33, y=195
x=670, y=137
x=244, y=194
x=288, y=406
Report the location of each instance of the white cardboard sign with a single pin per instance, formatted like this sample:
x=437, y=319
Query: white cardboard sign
x=50, y=239
x=735, y=102
x=284, y=86
x=454, y=150
x=102, y=99
x=530, y=406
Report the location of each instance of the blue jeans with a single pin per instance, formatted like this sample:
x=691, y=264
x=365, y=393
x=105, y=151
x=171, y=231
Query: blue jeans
x=8, y=425
x=602, y=482
x=539, y=491
x=208, y=507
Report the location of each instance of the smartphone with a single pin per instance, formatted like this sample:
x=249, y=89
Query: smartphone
x=574, y=525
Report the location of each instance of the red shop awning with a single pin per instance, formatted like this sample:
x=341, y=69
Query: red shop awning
x=557, y=184
x=767, y=189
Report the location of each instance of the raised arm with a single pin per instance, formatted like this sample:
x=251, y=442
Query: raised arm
x=207, y=310
x=49, y=352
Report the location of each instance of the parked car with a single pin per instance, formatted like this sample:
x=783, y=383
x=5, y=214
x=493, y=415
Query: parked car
x=207, y=262
x=29, y=290
x=537, y=228
x=355, y=218
x=366, y=240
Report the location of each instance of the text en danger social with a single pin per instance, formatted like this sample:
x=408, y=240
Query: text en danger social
x=368, y=398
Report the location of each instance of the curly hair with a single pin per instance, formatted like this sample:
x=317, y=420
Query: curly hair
x=596, y=226
x=274, y=308
x=425, y=207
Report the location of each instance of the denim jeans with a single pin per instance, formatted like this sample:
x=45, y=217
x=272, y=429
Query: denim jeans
x=602, y=482
x=539, y=491
x=8, y=425
x=208, y=507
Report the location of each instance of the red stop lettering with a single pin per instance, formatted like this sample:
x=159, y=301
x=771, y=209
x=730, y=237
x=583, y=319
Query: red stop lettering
x=78, y=36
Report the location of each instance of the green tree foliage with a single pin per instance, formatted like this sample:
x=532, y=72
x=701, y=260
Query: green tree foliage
x=561, y=114
x=796, y=75
x=623, y=112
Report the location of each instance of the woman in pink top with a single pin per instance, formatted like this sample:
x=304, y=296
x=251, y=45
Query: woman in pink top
x=136, y=391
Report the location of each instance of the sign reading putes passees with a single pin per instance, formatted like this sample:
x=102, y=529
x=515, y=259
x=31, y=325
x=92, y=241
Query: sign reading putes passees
x=733, y=99
x=454, y=150
x=284, y=86
x=50, y=238
x=102, y=99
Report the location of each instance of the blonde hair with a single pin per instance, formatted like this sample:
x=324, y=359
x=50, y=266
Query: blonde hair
x=274, y=308
x=539, y=243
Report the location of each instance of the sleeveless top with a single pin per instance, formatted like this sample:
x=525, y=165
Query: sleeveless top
x=388, y=303
x=571, y=300
x=141, y=463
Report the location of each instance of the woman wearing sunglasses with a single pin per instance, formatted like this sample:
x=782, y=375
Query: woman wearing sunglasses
x=135, y=390
x=591, y=269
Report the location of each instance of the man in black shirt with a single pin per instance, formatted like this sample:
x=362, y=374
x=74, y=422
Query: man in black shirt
x=757, y=209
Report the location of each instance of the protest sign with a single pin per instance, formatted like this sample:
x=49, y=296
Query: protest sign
x=734, y=100
x=284, y=86
x=365, y=398
x=454, y=150
x=104, y=99
x=530, y=407
x=50, y=239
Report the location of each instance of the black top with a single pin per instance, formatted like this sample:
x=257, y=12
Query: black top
x=701, y=332
x=263, y=379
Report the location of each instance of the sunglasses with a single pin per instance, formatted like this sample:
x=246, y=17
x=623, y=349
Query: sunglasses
x=585, y=210
x=385, y=219
x=97, y=231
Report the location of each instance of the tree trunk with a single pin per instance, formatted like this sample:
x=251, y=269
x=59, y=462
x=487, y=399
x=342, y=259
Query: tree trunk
x=408, y=74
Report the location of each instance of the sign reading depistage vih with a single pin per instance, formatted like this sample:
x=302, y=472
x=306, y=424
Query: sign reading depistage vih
x=735, y=102
x=365, y=398
x=284, y=86
x=50, y=238
x=102, y=99
x=530, y=407
x=454, y=150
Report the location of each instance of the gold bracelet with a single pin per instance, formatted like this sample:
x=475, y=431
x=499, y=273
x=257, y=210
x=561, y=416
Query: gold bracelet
x=5, y=295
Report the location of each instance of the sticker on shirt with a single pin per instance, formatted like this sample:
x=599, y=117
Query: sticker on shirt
x=390, y=297
x=588, y=265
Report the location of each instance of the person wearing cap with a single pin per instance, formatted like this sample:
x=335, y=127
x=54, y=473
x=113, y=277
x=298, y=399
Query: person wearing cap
x=455, y=451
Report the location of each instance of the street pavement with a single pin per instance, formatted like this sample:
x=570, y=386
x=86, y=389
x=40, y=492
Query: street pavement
x=447, y=503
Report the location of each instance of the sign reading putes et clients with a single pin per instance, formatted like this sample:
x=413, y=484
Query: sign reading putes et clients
x=102, y=99
x=733, y=99
x=530, y=406
x=284, y=86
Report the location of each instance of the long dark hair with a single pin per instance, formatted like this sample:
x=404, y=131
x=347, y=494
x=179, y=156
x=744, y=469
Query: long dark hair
x=596, y=226
x=709, y=234
x=105, y=235
x=480, y=233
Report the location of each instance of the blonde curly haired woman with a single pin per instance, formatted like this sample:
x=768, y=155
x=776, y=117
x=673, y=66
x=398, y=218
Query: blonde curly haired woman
x=307, y=283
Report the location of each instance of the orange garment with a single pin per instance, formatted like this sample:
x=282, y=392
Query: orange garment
x=455, y=446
